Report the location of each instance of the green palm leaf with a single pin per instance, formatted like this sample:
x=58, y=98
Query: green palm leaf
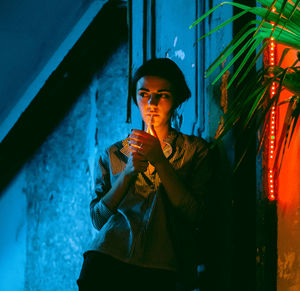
x=285, y=31
x=251, y=105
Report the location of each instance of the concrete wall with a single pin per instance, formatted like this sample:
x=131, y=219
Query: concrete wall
x=45, y=223
x=13, y=234
x=30, y=50
x=288, y=206
x=288, y=274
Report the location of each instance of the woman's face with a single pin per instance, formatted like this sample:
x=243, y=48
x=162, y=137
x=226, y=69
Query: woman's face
x=155, y=98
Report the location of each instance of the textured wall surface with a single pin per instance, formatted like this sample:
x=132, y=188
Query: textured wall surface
x=13, y=231
x=58, y=186
x=30, y=49
x=288, y=272
x=112, y=101
x=288, y=207
x=58, y=181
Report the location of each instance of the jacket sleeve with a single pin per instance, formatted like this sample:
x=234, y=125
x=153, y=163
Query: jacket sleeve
x=198, y=181
x=202, y=179
x=98, y=210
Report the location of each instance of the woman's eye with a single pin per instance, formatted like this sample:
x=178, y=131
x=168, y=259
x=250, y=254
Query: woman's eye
x=164, y=95
x=143, y=94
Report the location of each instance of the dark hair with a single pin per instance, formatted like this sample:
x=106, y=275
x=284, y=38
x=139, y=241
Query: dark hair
x=166, y=69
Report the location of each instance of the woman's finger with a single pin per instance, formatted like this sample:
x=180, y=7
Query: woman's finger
x=139, y=138
x=136, y=148
x=135, y=141
x=140, y=166
x=138, y=156
x=140, y=133
x=152, y=131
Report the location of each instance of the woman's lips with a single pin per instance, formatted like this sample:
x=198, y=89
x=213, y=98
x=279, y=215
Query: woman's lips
x=152, y=113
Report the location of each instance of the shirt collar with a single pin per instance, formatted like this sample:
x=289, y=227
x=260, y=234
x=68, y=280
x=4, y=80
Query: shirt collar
x=170, y=143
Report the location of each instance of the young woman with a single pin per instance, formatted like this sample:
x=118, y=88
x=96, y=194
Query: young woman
x=150, y=194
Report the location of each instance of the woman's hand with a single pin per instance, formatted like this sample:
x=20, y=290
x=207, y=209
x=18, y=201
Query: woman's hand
x=136, y=164
x=146, y=145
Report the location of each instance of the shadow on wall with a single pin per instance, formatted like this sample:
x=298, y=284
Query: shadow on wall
x=105, y=34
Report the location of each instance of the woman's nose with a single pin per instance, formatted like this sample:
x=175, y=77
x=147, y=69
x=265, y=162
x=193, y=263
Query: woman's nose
x=153, y=100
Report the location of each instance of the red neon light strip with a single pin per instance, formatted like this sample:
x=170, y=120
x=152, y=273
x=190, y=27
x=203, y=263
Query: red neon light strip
x=272, y=193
